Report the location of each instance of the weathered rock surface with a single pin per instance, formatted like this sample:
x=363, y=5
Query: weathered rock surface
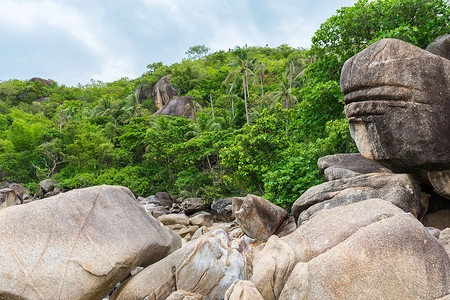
x=143, y=91
x=177, y=107
x=258, y=218
x=76, y=245
x=46, y=82
x=440, y=46
x=207, y=266
x=202, y=219
x=172, y=219
x=22, y=192
x=272, y=267
x=192, y=205
x=440, y=182
x=287, y=227
x=183, y=295
x=163, y=92
x=399, y=189
x=330, y=227
x=397, y=104
x=8, y=198
x=348, y=165
x=444, y=239
x=222, y=209
x=243, y=290
x=439, y=219
x=395, y=258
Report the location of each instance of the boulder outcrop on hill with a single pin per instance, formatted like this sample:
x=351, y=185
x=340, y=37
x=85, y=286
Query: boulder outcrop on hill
x=163, y=92
x=177, y=107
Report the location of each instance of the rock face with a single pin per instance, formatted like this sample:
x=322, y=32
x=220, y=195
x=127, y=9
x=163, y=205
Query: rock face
x=398, y=107
x=349, y=165
x=399, y=189
x=46, y=82
x=207, y=266
x=440, y=46
x=8, y=198
x=142, y=92
x=163, y=92
x=439, y=219
x=177, y=107
x=395, y=258
x=330, y=227
x=258, y=218
x=222, y=209
x=76, y=245
x=440, y=182
x=243, y=290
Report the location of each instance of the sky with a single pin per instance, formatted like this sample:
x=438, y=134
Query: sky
x=74, y=41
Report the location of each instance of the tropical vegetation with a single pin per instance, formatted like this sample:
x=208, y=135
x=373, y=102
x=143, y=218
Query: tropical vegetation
x=263, y=115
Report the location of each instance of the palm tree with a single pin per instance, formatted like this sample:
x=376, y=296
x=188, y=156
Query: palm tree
x=284, y=93
x=244, y=66
x=132, y=102
x=204, y=123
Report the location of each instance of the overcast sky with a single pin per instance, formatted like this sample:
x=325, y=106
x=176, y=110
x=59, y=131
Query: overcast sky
x=73, y=41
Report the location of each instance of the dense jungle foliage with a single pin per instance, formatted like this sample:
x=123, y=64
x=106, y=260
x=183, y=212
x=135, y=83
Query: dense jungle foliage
x=274, y=112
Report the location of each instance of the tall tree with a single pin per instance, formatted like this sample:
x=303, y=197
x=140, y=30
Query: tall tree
x=244, y=67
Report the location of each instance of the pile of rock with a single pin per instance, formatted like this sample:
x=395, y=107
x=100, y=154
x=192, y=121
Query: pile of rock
x=357, y=236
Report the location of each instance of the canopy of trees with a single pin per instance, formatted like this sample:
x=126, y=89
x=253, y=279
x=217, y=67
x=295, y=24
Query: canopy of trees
x=264, y=115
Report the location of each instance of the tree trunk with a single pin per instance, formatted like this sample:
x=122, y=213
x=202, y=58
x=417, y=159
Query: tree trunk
x=212, y=109
x=245, y=97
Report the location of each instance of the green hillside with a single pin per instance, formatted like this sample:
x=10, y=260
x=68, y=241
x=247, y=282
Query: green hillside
x=263, y=139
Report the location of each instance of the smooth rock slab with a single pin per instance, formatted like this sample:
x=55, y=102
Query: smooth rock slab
x=348, y=165
x=399, y=189
x=76, y=245
x=395, y=258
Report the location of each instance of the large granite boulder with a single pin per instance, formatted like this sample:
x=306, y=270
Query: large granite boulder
x=398, y=106
x=163, y=91
x=399, y=189
x=440, y=46
x=348, y=165
x=395, y=258
x=22, y=192
x=207, y=266
x=177, y=107
x=333, y=226
x=258, y=217
x=76, y=245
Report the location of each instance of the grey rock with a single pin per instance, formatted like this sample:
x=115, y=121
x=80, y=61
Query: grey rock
x=163, y=92
x=399, y=189
x=22, y=192
x=192, y=205
x=207, y=266
x=440, y=46
x=202, y=219
x=439, y=219
x=8, y=198
x=333, y=226
x=243, y=290
x=348, y=165
x=165, y=199
x=77, y=245
x=171, y=219
x=395, y=258
x=398, y=106
x=47, y=185
x=222, y=209
x=440, y=182
x=258, y=217
x=177, y=107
